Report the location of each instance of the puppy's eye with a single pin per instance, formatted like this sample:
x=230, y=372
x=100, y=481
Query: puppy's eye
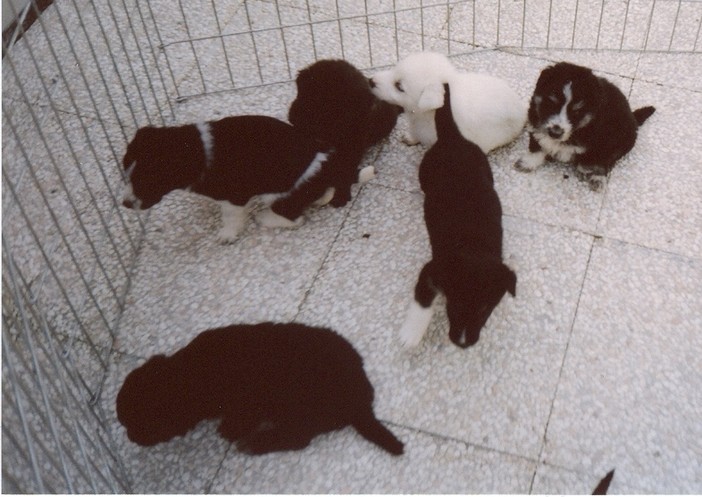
x=553, y=98
x=398, y=86
x=578, y=105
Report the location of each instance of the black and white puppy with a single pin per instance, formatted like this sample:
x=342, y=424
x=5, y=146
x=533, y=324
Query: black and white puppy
x=463, y=216
x=577, y=117
x=336, y=106
x=273, y=386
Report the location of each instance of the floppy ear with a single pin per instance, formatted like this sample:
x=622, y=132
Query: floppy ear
x=432, y=97
x=510, y=280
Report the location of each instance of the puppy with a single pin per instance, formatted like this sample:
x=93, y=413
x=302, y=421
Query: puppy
x=463, y=216
x=274, y=386
x=232, y=161
x=335, y=105
x=487, y=111
x=577, y=117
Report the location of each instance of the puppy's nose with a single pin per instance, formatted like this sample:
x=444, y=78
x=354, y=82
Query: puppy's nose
x=555, y=131
x=129, y=204
x=371, y=82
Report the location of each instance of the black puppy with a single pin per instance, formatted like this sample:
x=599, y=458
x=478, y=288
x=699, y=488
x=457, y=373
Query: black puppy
x=577, y=117
x=274, y=386
x=335, y=105
x=463, y=216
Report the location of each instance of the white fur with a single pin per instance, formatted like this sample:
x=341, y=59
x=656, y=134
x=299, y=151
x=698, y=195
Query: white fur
x=129, y=189
x=487, y=111
x=233, y=221
x=205, y=130
x=314, y=167
x=415, y=325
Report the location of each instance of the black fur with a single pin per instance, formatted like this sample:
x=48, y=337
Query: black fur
x=335, y=105
x=463, y=216
x=274, y=387
x=252, y=155
x=603, y=485
x=611, y=128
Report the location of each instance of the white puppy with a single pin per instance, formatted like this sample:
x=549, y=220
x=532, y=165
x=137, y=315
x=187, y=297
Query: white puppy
x=488, y=112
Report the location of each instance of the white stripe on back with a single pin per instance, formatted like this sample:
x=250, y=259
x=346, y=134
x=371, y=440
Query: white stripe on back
x=205, y=130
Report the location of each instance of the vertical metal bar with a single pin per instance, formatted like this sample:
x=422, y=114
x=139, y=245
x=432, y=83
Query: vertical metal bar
x=626, y=18
x=648, y=25
x=368, y=34
x=421, y=27
x=523, y=23
x=13, y=382
x=341, y=32
x=675, y=25
x=499, y=9
x=192, y=45
x=575, y=24
x=599, y=25
x=224, y=48
x=253, y=40
x=282, y=37
x=161, y=46
x=309, y=18
x=548, y=27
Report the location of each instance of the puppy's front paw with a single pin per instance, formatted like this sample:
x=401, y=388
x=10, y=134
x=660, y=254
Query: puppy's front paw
x=270, y=219
x=530, y=162
x=596, y=182
x=410, y=336
x=366, y=174
x=227, y=235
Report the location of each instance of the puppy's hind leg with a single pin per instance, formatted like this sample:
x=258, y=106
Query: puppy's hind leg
x=420, y=311
x=233, y=221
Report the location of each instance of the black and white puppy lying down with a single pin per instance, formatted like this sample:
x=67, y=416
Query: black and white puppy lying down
x=274, y=386
x=237, y=158
x=463, y=216
x=336, y=106
x=577, y=117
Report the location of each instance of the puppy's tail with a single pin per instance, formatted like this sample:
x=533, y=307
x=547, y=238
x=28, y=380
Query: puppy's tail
x=643, y=113
x=446, y=128
x=603, y=486
x=373, y=430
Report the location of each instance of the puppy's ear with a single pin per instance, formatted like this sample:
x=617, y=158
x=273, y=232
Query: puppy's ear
x=432, y=97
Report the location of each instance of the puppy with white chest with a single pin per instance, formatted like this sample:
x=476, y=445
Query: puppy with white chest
x=463, y=216
x=577, y=117
x=231, y=161
x=487, y=111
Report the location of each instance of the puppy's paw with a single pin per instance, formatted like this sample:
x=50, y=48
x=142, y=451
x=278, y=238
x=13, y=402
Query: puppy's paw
x=326, y=198
x=227, y=235
x=596, y=182
x=270, y=219
x=366, y=174
x=529, y=163
x=341, y=198
x=409, y=140
x=409, y=338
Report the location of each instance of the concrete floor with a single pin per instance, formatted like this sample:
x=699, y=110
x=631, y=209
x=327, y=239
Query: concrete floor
x=596, y=364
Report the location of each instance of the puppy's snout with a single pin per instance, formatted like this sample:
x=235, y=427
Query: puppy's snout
x=555, y=131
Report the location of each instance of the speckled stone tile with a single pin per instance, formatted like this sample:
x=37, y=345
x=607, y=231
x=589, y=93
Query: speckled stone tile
x=186, y=281
x=495, y=394
x=343, y=462
x=629, y=396
x=553, y=480
x=653, y=196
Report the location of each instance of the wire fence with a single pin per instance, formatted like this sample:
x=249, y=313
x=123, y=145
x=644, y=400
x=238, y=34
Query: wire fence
x=80, y=81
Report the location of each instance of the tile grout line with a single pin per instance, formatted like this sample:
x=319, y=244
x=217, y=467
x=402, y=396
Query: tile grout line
x=563, y=361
